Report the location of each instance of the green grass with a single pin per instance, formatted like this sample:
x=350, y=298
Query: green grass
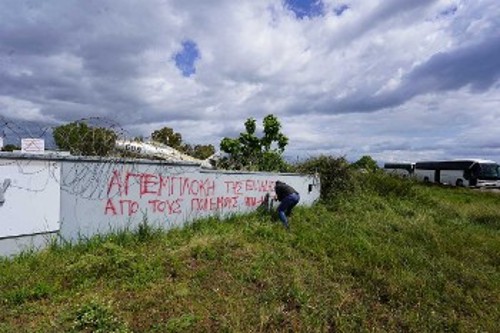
x=391, y=256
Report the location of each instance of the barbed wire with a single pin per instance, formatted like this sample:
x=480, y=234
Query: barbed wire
x=13, y=131
x=86, y=165
x=84, y=140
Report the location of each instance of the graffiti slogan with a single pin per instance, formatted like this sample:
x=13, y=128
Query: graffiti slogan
x=129, y=193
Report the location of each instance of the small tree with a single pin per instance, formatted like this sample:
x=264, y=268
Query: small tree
x=199, y=151
x=81, y=139
x=10, y=147
x=366, y=163
x=253, y=153
x=168, y=137
x=335, y=174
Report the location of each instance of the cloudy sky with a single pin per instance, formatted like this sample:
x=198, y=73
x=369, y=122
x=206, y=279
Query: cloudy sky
x=399, y=80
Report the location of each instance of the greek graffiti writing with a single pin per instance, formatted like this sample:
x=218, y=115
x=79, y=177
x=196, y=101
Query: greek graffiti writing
x=254, y=201
x=3, y=189
x=159, y=185
x=166, y=206
x=255, y=185
x=132, y=192
x=121, y=207
x=214, y=203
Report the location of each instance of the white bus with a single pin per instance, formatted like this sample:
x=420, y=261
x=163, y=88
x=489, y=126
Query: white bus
x=401, y=169
x=472, y=172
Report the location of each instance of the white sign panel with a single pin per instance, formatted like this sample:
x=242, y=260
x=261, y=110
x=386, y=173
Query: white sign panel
x=32, y=146
x=29, y=197
x=1, y=142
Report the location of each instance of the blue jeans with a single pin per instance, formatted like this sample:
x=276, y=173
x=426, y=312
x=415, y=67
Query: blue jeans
x=286, y=206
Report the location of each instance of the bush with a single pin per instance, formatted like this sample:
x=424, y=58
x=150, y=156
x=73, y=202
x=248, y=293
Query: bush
x=335, y=174
x=388, y=185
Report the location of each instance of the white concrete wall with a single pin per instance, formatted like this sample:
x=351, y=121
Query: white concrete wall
x=12, y=246
x=43, y=198
x=29, y=197
x=100, y=198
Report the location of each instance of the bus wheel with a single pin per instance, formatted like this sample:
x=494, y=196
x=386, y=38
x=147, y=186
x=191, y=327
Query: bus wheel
x=426, y=179
x=459, y=183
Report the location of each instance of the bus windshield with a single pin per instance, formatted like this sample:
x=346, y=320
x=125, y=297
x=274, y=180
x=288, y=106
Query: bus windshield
x=490, y=171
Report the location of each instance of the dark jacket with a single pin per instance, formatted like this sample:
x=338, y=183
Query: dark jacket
x=283, y=190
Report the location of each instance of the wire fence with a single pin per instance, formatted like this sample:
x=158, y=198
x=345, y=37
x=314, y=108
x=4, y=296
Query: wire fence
x=93, y=152
x=85, y=131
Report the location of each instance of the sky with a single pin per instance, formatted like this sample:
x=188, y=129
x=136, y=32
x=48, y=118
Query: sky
x=398, y=80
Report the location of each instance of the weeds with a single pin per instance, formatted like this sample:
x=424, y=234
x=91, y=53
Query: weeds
x=97, y=316
x=384, y=255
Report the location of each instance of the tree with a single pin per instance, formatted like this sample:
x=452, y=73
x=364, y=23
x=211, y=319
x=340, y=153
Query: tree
x=366, y=163
x=81, y=139
x=10, y=147
x=253, y=153
x=168, y=137
x=199, y=151
x=335, y=173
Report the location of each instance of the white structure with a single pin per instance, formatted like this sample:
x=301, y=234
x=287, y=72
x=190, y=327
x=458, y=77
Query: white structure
x=156, y=150
x=73, y=198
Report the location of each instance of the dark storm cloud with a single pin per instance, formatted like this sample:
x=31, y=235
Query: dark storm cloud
x=475, y=66
x=384, y=16
x=44, y=27
x=73, y=60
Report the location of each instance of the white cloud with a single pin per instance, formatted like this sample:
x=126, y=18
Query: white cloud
x=18, y=109
x=392, y=79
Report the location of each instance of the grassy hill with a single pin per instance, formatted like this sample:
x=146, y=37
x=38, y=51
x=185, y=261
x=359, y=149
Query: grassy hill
x=385, y=256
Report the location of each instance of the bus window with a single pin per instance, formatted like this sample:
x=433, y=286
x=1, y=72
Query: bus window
x=475, y=170
x=489, y=171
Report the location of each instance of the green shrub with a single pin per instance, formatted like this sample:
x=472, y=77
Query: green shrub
x=387, y=185
x=335, y=174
